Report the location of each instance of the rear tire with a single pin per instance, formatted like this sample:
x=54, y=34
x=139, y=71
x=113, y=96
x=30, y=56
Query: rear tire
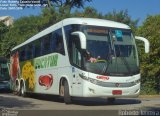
x=22, y=91
x=67, y=97
x=16, y=90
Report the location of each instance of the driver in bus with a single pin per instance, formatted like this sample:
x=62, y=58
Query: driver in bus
x=89, y=57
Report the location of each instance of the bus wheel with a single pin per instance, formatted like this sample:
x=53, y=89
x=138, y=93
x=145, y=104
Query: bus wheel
x=67, y=97
x=16, y=90
x=22, y=90
x=111, y=100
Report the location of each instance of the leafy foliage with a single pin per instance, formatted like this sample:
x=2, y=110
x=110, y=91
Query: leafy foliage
x=71, y=3
x=122, y=16
x=22, y=29
x=3, y=30
x=150, y=63
x=88, y=12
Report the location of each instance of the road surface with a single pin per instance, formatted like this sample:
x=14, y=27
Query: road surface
x=51, y=103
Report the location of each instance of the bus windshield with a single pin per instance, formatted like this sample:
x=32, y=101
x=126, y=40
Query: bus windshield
x=110, y=51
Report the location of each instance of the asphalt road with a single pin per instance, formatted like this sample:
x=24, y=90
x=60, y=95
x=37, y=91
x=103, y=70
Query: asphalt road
x=93, y=106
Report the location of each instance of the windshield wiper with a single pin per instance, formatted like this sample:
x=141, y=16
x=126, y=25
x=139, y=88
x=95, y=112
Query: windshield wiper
x=126, y=64
x=109, y=61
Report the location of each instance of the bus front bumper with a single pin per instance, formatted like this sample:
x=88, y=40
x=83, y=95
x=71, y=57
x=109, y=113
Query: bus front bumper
x=93, y=90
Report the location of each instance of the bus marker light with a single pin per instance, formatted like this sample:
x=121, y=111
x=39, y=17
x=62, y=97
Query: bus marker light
x=117, y=92
x=103, y=77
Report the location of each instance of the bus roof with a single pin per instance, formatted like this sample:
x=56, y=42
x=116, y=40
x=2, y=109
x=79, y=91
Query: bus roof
x=69, y=21
x=94, y=21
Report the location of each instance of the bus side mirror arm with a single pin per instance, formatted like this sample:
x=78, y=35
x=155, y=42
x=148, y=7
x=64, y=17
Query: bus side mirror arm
x=82, y=38
x=146, y=43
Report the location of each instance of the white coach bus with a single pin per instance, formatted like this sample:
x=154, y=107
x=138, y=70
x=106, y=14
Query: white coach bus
x=81, y=57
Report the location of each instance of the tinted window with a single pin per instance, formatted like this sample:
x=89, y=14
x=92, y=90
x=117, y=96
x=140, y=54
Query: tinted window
x=37, y=45
x=46, y=43
x=29, y=51
x=68, y=30
x=22, y=54
x=71, y=50
x=58, y=41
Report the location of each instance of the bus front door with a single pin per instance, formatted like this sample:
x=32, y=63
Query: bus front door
x=77, y=83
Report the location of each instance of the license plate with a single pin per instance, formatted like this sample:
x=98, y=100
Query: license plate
x=117, y=92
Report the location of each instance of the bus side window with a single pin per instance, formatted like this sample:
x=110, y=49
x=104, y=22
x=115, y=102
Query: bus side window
x=68, y=30
x=76, y=54
x=59, y=42
x=53, y=42
x=46, y=45
x=29, y=51
x=37, y=48
x=22, y=54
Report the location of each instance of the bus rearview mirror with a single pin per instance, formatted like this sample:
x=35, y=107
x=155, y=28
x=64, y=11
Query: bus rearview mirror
x=82, y=38
x=146, y=43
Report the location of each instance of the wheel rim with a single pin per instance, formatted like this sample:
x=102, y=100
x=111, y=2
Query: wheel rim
x=62, y=90
x=16, y=88
x=22, y=90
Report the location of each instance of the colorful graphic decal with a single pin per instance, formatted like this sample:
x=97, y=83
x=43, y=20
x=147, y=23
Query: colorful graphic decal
x=28, y=73
x=14, y=66
x=46, y=80
x=46, y=62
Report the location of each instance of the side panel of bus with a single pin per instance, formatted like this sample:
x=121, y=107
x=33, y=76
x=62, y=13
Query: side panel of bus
x=41, y=74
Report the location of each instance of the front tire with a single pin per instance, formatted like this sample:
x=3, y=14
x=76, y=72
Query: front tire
x=67, y=97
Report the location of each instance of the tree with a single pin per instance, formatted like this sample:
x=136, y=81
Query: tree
x=123, y=17
x=3, y=29
x=71, y=3
x=65, y=3
x=22, y=29
x=48, y=17
x=150, y=63
x=88, y=12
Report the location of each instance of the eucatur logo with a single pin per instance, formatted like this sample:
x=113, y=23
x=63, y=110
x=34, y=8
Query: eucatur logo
x=117, y=84
x=103, y=77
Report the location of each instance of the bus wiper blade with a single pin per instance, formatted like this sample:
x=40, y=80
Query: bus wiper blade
x=126, y=64
x=109, y=61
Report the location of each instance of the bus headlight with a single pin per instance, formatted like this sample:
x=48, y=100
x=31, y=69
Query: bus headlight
x=94, y=81
x=83, y=76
